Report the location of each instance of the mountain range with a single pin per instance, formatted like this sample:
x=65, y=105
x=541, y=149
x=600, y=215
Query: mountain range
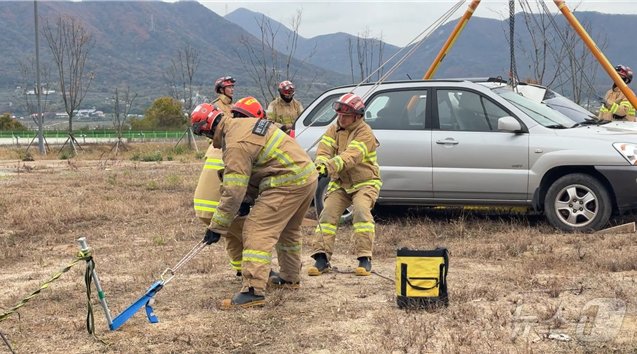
x=134, y=43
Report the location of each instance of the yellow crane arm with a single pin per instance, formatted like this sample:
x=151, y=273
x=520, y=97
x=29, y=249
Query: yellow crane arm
x=608, y=67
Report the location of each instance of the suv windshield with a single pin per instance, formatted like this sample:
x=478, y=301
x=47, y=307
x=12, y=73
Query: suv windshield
x=539, y=112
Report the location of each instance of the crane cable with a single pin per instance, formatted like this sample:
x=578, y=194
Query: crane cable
x=418, y=41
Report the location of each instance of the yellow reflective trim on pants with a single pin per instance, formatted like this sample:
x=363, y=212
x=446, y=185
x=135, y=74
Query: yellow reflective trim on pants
x=213, y=164
x=328, y=141
x=235, y=179
x=288, y=179
x=293, y=248
x=325, y=228
x=376, y=183
x=236, y=265
x=221, y=219
x=206, y=205
x=257, y=256
x=273, y=143
x=364, y=226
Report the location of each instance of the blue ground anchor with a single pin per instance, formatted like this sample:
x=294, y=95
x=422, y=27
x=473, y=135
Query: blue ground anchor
x=132, y=309
x=145, y=300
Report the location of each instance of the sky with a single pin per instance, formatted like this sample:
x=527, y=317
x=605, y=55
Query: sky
x=398, y=22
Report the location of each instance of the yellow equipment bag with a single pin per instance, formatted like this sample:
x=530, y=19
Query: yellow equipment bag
x=421, y=278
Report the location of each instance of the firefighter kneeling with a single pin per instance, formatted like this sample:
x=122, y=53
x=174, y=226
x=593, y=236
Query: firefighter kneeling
x=258, y=155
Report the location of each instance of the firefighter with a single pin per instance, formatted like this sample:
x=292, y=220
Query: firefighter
x=347, y=154
x=224, y=87
x=208, y=192
x=285, y=109
x=259, y=156
x=616, y=105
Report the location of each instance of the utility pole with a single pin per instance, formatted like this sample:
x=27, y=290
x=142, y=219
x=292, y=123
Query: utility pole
x=38, y=86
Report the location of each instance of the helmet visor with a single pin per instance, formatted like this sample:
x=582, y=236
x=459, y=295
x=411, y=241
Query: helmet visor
x=342, y=108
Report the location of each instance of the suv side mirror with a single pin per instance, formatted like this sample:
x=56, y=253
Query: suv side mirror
x=509, y=124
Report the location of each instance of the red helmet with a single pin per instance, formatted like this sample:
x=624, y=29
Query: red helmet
x=203, y=119
x=224, y=82
x=286, y=88
x=625, y=73
x=349, y=103
x=248, y=107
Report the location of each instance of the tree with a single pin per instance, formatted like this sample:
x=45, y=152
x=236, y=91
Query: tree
x=28, y=69
x=559, y=59
x=368, y=49
x=70, y=44
x=9, y=124
x=164, y=113
x=180, y=75
x=267, y=66
x=122, y=105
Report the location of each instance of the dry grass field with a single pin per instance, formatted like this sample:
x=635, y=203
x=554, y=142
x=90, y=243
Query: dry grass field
x=515, y=284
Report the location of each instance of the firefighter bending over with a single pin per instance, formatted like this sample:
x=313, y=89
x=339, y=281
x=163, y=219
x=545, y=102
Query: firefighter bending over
x=260, y=156
x=347, y=154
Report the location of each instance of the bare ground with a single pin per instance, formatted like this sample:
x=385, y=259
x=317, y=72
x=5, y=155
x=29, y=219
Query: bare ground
x=516, y=285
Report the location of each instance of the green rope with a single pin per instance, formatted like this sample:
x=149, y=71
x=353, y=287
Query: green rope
x=81, y=256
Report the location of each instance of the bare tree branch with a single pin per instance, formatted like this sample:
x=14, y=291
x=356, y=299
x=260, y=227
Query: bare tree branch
x=70, y=44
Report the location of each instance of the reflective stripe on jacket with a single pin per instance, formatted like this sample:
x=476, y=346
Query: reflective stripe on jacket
x=207, y=193
x=257, y=154
x=616, y=106
x=350, y=156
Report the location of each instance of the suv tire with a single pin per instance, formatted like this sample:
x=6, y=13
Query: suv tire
x=319, y=197
x=577, y=203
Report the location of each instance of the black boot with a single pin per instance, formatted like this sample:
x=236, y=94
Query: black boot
x=321, y=265
x=364, y=266
x=244, y=300
x=279, y=283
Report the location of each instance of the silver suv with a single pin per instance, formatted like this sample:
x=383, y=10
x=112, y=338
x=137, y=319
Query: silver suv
x=457, y=142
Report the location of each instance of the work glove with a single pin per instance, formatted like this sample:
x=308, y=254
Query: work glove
x=211, y=237
x=244, y=209
x=322, y=169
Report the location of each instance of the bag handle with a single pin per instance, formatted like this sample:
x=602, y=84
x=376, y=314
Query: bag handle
x=420, y=287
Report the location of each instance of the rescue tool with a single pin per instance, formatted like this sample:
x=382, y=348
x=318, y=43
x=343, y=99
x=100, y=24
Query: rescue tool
x=145, y=300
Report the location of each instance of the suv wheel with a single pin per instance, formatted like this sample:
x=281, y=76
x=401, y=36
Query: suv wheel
x=577, y=202
x=321, y=193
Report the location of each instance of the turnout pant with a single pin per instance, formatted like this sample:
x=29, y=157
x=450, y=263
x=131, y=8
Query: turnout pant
x=275, y=220
x=336, y=202
x=206, y=199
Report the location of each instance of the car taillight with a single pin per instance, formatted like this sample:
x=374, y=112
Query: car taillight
x=291, y=132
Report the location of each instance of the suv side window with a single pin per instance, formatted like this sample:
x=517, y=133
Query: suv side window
x=323, y=114
x=461, y=110
x=397, y=110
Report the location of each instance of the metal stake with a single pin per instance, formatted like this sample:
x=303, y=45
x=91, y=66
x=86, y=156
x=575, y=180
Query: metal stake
x=100, y=292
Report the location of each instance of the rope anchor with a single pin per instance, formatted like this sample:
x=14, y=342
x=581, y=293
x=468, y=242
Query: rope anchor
x=145, y=300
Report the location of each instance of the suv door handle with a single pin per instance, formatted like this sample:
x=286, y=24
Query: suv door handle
x=448, y=141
